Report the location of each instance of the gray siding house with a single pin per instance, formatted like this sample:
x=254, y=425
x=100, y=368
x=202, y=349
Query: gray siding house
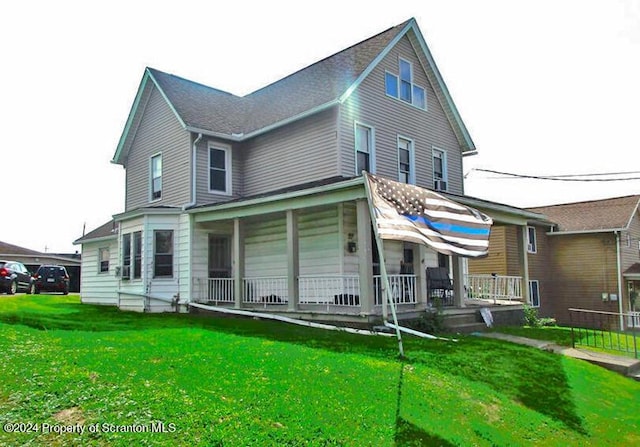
x=259, y=202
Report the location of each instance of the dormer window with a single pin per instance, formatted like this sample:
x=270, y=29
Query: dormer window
x=402, y=87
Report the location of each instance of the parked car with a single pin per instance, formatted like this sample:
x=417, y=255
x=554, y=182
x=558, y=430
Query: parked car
x=14, y=277
x=52, y=278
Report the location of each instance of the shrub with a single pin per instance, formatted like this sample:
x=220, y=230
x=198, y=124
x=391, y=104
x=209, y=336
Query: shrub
x=531, y=318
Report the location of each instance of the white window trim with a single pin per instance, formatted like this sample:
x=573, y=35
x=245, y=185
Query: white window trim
x=531, y=281
x=151, y=199
x=532, y=247
x=413, y=84
x=445, y=173
x=228, y=158
x=372, y=154
x=412, y=158
x=100, y=251
x=173, y=256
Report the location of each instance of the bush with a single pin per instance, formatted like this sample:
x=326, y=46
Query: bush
x=531, y=318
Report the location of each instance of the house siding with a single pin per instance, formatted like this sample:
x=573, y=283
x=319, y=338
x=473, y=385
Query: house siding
x=391, y=118
x=158, y=132
x=203, y=196
x=496, y=260
x=298, y=153
x=96, y=287
x=584, y=267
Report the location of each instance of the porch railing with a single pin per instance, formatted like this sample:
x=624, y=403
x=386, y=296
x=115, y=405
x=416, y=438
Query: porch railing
x=633, y=319
x=403, y=289
x=339, y=290
x=267, y=290
x=220, y=290
x=494, y=287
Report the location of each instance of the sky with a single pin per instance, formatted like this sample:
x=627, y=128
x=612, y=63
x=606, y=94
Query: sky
x=544, y=87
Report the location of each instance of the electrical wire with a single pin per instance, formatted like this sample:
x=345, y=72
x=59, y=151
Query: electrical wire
x=566, y=177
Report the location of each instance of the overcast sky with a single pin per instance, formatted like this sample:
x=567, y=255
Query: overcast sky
x=544, y=87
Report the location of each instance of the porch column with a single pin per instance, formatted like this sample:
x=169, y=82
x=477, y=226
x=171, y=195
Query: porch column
x=420, y=269
x=458, y=281
x=238, y=261
x=293, y=267
x=365, y=256
x=524, y=262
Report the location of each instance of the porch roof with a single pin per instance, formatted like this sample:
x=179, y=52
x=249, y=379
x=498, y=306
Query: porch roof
x=632, y=272
x=335, y=190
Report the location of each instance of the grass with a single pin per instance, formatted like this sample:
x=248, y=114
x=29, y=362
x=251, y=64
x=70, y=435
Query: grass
x=228, y=382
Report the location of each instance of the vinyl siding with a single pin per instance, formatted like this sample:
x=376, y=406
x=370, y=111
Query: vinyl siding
x=584, y=267
x=391, y=118
x=203, y=196
x=95, y=287
x=350, y=226
x=158, y=132
x=319, y=241
x=630, y=255
x=540, y=269
x=266, y=247
x=301, y=152
x=496, y=260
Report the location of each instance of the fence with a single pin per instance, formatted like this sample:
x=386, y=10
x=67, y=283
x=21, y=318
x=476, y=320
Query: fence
x=602, y=330
x=403, y=289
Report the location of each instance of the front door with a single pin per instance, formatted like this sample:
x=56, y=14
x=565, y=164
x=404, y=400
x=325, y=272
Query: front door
x=219, y=256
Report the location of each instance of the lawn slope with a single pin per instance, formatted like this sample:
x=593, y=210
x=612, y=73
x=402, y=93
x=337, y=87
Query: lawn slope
x=229, y=382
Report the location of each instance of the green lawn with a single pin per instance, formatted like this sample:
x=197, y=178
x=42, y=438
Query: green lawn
x=232, y=382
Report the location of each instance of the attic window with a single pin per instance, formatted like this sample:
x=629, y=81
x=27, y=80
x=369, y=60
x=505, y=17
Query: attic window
x=402, y=87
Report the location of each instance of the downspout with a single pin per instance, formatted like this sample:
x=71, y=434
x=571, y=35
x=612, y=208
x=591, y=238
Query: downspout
x=193, y=174
x=619, y=275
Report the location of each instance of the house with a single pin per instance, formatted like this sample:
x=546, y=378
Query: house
x=258, y=201
x=33, y=259
x=583, y=255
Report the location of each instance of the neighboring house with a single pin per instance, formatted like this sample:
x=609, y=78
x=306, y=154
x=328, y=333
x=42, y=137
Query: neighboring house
x=585, y=255
x=33, y=259
x=259, y=202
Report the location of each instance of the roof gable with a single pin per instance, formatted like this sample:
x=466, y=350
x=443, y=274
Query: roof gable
x=321, y=85
x=592, y=216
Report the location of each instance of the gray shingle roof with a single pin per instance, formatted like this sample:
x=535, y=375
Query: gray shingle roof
x=593, y=215
x=318, y=84
x=105, y=230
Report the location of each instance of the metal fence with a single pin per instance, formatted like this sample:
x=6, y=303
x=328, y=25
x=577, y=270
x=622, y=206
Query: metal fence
x=604, y=330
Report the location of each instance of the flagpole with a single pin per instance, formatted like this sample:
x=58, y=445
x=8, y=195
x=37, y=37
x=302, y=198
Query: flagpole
x=386, y=289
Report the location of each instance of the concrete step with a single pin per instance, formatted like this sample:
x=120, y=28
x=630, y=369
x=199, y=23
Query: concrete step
x=467, y=328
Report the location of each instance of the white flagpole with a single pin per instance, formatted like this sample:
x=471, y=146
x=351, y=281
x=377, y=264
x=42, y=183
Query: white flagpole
x=386, y=289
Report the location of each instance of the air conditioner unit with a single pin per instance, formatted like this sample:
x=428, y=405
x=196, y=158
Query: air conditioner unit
x=440, y=185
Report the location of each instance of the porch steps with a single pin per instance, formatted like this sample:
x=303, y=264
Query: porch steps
x=464, y=321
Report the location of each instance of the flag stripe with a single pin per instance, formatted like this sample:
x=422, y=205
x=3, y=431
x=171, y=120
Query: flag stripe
x=409, y=213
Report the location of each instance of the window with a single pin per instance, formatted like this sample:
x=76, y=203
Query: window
x=137, y=254
x=219, y=170
x=531, y=240
x=401, y=86
x=156, y=177
x=405, y=161
x=103, y=260
x=364, y=149
x=163, y=253
x=391, y=84
x=439, y=170
x=126, y=256
x=534, y=293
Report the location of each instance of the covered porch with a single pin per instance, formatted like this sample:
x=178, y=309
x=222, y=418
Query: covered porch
x=312, y=254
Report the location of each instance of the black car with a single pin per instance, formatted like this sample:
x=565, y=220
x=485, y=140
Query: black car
x=52, y=278
x=14, y=277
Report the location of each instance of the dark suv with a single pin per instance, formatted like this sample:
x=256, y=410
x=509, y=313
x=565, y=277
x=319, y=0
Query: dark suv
x=14, y=277
x=52, y=278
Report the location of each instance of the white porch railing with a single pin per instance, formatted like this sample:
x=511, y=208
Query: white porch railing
x=338, y=290
x=220, y=290
x=403, y=289
x=633, y=319
x=268, y=290
x=490, y=287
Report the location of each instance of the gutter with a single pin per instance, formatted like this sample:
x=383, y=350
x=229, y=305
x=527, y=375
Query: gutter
x=562, y=233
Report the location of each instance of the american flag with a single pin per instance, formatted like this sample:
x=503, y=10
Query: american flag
x=413, y=214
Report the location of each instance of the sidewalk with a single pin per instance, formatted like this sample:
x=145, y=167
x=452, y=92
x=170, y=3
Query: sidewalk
x=624, y=365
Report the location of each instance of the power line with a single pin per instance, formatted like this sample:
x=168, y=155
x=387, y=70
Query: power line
x=565, y=177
